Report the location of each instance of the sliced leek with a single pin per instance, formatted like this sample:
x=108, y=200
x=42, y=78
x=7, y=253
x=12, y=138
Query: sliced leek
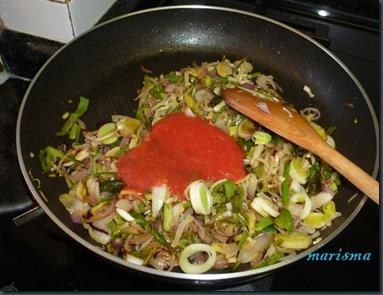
x=124, y=214
x=200, y=197
x=260, y=137
x=134, y=259
x=315, y=220
x=192, y=249
x=167, y=221
x=264, y=206
x=107, y=133
x=299, y=170
x=294, y=241
x=159, y=194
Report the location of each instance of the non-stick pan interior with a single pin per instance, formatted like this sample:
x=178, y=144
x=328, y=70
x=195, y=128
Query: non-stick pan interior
x=105, y=66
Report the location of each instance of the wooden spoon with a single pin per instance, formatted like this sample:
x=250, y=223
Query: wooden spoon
x=289, y=124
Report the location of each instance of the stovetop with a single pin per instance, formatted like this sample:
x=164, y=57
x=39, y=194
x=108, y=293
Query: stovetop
x=36, y=255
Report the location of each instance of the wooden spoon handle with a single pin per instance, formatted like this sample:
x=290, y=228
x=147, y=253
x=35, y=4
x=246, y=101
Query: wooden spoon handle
x=292, y=126
x=349, y=170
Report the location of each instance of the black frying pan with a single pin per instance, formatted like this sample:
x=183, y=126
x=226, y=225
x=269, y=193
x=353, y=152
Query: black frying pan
x=104, y=65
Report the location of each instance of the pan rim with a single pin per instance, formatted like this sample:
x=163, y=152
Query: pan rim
x=175, y=275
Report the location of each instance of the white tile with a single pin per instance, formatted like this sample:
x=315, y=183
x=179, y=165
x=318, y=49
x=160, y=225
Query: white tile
x=85, y=13
x=37, y=17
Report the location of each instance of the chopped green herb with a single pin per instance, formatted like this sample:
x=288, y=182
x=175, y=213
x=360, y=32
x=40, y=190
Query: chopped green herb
x=255, y=75
x=173, y=77
x=229, y=189
x=330, y=130
x=158, y=92
x=263, y=223
x=112, y=186
x=245, y=144
x=208, y=81
x=224, y=80
x=284, y=220
x=238, y=198
x=74, y=133
x=160, y=237
x=276, y=139
x=270, y=229
x=286, y=185
x=325, y=171
x=119, y=220
x=114, y=228
x=48, y=157
x=140, y=113
x=271, y=260
x=139, y=218
x=314, y=169
x=71, y=127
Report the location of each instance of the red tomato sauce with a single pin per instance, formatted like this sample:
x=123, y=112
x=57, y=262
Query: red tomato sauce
x=179, y=150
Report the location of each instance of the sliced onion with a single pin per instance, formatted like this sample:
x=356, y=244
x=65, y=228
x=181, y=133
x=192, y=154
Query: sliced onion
x=303, y=197
x=253, y=246
x=307, y=229
x=159, y=194
x=78, y=175
x=73, y=205
x=202, y=232
x=321, y=199
x=295, y=186
x=134, y=259
x=308, y=91
x=250, y=183
x=102, y=224
x=203, y=95
x=82, y=155
x=178, y=209
x=295, y=209
x=266, y=81
x=181, y=228
x=190, y=250
x=188, y=112
x=104, y=211
x=263, y=106
x=93, y=188
x=124, y=204
x=229, y=206
x=99, y=236
x=330, y=141
x=76, y=218
x=227, y=249
x=80, y=190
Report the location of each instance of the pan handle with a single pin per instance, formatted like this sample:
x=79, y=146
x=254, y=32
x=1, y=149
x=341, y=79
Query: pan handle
x=27, y=216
